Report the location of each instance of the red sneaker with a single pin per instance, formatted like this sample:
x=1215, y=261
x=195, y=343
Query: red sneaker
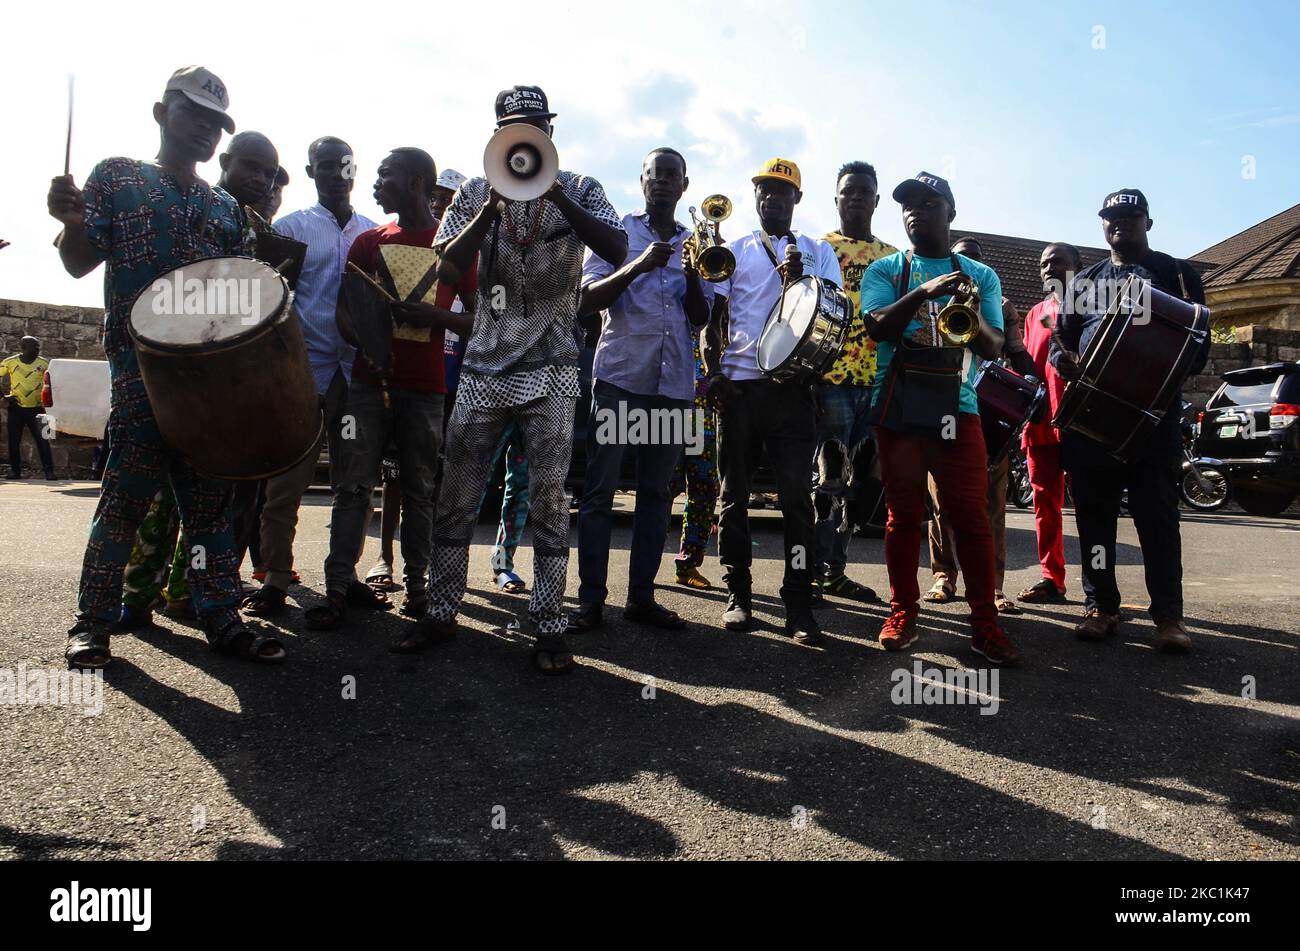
x=899, y=630
x=992, y=643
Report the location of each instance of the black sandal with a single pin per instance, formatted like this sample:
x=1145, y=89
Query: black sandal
x=362, y=595
x=551, y=656
x=655, y=615
x=266, y=601
x=87, y=647
x=330, y=616
x=424, y=634
x=414, y=606
x=586, y=619
x=239, y=640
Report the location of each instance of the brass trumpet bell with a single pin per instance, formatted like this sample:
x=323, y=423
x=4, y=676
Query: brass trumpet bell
x=708, y=254
x=958, y=322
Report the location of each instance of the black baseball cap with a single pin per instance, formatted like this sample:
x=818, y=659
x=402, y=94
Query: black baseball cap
x=1126, y=201
x=522, y=102
x=928, y=184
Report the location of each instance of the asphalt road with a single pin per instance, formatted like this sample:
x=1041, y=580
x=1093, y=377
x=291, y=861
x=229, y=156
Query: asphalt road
x=691, y=745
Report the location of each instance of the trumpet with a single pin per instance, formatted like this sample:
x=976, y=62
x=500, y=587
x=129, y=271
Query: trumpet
x=707, y=253
x=959, y=322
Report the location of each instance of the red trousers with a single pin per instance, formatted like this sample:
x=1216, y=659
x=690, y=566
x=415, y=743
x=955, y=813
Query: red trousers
x=1048, y=480
x=960, y=470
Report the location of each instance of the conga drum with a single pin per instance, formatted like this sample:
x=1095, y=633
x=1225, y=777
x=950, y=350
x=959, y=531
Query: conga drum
x=224, y=364
x=1133, y=367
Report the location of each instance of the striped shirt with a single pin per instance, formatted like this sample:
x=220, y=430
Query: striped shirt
x=318, y=286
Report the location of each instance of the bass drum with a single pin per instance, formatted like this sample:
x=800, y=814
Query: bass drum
x=805, y=331
x=225, y=367
x=1133, y=367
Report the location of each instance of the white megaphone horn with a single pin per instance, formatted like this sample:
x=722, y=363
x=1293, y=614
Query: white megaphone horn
x=520, y=162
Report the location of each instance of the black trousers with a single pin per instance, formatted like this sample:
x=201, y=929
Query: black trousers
x=1153, y=501
x=21, y=417
x=780, y=418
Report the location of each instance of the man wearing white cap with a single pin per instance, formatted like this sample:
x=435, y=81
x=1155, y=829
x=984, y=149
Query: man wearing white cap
x=142, y=219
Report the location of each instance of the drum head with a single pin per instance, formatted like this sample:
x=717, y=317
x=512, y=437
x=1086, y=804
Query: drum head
x=208, y=301
x=780, y=337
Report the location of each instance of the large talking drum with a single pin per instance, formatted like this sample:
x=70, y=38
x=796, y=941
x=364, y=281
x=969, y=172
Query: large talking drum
x=1133, y=368
x=224, y=363
x=805, y=331
x=1007, y=401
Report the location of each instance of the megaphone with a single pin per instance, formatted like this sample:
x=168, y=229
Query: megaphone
x=520, y=162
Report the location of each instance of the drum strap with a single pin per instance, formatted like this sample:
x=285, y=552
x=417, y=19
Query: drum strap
x=766, y=239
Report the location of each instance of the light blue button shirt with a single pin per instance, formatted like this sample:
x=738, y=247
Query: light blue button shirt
x=647, y=343
x=754, y=289
x=318, y=286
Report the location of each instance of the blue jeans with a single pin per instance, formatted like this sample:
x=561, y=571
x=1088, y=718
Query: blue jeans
x=655, y=463
x=841, y=429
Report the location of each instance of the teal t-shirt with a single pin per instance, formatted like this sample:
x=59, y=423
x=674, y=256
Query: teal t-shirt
x=880, y=289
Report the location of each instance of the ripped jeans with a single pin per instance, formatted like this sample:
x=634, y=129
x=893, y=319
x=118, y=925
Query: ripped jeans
x=841, y=430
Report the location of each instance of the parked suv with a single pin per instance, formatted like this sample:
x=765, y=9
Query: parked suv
x=1250, y=425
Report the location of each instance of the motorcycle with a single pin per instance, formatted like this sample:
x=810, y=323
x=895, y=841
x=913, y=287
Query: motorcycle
x=1204, y=485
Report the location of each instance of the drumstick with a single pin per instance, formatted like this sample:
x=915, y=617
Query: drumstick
x=67, y=150
x=372, y=282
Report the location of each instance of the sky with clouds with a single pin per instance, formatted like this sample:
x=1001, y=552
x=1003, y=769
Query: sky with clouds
x=1033, y=111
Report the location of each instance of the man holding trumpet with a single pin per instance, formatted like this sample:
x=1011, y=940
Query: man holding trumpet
x=926, y=411
x=521, y=362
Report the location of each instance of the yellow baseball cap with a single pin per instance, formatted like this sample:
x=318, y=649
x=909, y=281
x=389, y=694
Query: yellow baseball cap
x=781, y=169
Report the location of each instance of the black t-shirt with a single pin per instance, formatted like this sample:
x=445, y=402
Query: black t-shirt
x=1078, y=324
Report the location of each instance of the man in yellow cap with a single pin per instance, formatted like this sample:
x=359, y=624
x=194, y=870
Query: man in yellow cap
x=757, y=412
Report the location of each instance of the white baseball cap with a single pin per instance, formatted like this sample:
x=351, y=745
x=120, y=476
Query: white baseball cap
x=450, y=179
x=202, y=87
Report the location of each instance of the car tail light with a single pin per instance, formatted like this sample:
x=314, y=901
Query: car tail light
x=1282, y=415
x=47, y=391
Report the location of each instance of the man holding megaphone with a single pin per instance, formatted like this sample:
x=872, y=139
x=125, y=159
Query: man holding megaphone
x=528, y=224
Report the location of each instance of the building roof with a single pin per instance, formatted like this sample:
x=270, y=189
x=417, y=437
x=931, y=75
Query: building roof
x=1278, y=258
x=1267, y=231
x=1016, y=263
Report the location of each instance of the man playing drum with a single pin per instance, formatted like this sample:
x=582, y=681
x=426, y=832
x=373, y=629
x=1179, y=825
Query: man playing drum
x=1151, y=474
x=756, y=412
x=1041, y=440
x=844, y=394
x=143, y=218
x=927, y=411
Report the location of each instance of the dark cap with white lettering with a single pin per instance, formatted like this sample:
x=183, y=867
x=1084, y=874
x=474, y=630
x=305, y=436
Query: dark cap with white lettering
x=925, y=184
x=1124, y=203
x=520, y=103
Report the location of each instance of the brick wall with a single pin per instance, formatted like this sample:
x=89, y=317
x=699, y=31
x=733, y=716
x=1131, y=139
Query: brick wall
x=63, y=332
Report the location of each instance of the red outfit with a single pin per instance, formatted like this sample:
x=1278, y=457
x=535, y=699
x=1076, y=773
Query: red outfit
x=960, y=469
x=418, y=364
x=1042, y=444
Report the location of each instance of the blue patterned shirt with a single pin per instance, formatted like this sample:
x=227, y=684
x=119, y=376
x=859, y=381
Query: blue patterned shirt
x=145, y=223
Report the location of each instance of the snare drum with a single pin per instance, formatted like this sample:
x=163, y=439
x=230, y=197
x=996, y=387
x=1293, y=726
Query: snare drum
x=1007, y=401
x=1134, y=367
x=225, y=367
x=805, y=331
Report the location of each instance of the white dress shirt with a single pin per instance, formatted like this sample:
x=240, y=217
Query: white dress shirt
x=754, y=289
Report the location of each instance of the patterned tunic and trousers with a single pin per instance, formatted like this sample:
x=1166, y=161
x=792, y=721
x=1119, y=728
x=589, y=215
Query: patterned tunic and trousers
x=144, y=222
x=521, y=366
